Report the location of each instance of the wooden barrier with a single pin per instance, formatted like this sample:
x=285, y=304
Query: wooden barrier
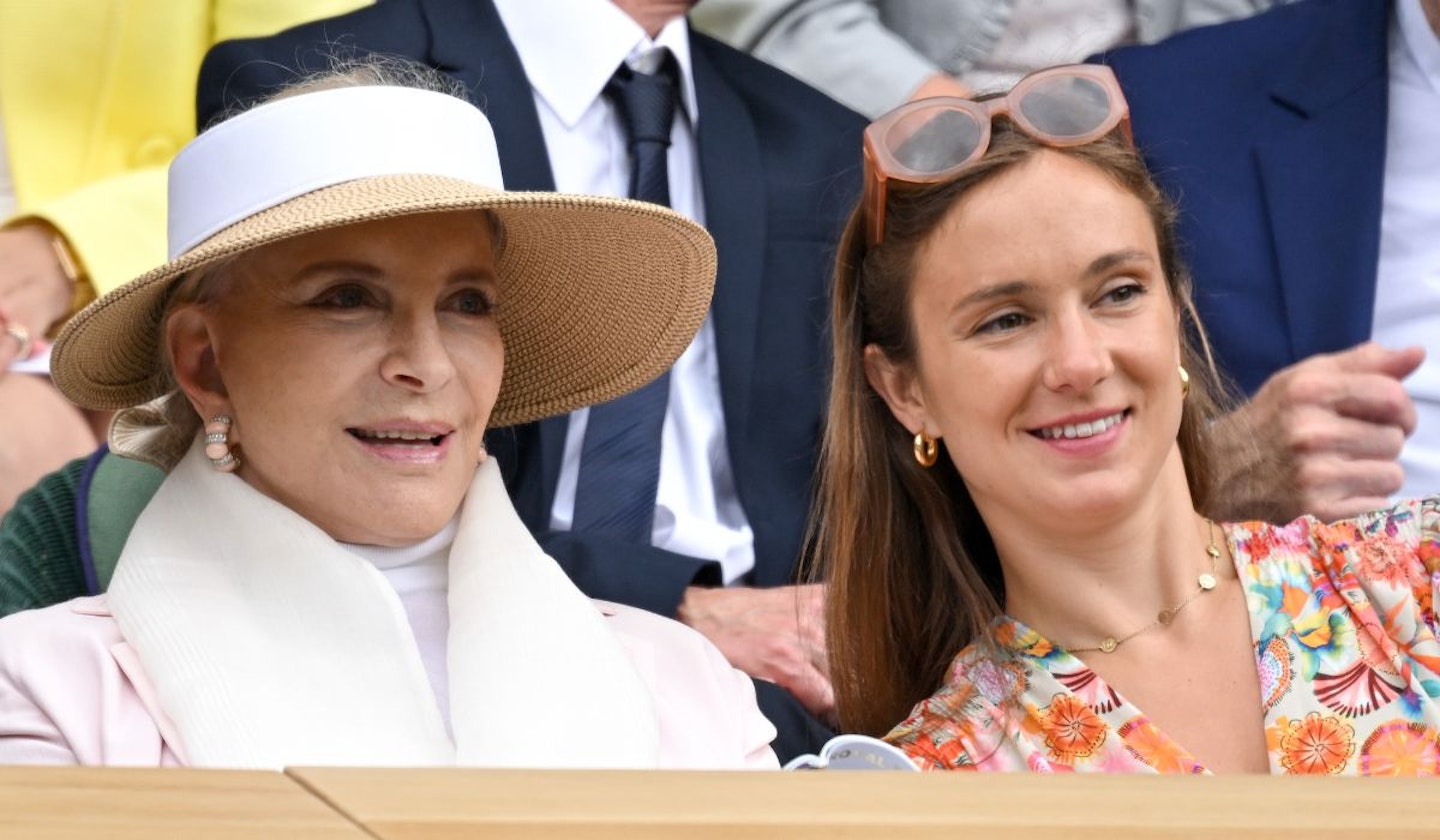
x=445, y=804
x=69, y=803
x=365, y=804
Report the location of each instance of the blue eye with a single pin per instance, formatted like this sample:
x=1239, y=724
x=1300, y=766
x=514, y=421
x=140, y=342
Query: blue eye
x=473, y=302
x=1125, y=293
x=1004, y=323
x=344, y=297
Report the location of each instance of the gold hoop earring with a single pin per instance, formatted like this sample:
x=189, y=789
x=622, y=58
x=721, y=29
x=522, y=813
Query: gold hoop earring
x=1184, y=382
x=926, y=450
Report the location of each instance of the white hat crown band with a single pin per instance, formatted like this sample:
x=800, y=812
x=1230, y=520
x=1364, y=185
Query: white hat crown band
x=283, y=149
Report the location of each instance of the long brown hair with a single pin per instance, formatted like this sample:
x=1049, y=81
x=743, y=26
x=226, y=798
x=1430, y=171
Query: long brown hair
x=912, y=571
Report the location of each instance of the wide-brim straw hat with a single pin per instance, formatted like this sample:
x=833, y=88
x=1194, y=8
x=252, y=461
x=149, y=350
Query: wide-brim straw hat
x=597, y=295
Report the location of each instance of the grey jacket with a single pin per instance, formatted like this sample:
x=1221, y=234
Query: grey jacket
x=871, y=54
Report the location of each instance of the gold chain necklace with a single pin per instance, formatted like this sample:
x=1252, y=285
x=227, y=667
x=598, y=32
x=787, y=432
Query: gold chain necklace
x=1204, y=582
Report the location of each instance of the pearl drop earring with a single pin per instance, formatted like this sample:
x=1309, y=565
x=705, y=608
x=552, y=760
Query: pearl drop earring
x=217, y=444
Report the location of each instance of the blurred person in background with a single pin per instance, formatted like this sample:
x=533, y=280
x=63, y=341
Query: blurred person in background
x=873, y=55
x=95, y=98
x=1301, y=147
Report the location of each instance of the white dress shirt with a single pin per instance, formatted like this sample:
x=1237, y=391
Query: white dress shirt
x=1407, y=287
x=570, y=49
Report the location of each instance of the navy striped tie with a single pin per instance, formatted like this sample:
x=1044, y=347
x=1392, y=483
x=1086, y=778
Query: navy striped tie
x=620, y=458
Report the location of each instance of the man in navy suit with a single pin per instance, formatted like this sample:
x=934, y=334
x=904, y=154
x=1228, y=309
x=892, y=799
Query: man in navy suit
x=1301, y=146
x=771, y=167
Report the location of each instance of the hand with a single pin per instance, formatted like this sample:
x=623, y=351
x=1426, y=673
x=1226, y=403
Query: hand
x=771, y=634
x=34, y=291
x=941, y=84
x=1320, y=437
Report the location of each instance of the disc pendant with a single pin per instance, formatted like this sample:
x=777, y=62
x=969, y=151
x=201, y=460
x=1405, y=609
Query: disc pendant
x=1206, y=581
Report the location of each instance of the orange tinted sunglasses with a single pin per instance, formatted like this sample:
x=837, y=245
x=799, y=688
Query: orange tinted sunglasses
x=932, y=140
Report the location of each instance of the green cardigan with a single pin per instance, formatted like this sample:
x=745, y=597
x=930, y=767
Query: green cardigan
x=63, y=537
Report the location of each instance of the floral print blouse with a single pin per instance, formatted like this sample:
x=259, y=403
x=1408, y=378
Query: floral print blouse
x=1343, y=618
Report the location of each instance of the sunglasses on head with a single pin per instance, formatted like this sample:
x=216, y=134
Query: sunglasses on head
x=932, y=140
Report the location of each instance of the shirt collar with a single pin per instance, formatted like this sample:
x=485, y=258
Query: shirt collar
x=1421, y=42
x=571, y=48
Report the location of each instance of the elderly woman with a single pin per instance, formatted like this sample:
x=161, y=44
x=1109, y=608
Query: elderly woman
x=331, y=572
x=1013, y=473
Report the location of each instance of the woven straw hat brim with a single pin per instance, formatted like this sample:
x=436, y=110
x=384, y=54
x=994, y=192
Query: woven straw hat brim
x=597, y=296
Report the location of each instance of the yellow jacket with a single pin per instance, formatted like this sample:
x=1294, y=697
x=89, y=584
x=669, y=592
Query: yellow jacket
x=96, y=96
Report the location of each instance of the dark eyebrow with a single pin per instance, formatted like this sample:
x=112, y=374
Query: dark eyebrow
x=1000, y=290
x=337, y=267
x=474, y=276
x=1100, y=265
x=368, y=271
x=1108, y=261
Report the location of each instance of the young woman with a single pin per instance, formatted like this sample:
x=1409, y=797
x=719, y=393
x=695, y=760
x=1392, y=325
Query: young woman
x=1014, y=467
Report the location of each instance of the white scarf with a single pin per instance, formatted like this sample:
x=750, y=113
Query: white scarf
x=270, y=646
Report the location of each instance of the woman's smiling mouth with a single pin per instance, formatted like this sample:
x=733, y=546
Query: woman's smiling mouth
x=397, y=437
x=1087, y=429
x=409, y=442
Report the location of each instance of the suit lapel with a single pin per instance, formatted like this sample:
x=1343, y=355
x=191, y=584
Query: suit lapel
x=1322, y=175
x=731, y=173
x=469, y=42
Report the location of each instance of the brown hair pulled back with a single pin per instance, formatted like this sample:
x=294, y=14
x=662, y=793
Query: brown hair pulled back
x=912, y=571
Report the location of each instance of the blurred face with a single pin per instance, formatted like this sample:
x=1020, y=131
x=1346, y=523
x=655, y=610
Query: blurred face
x=652, y=15
x=360, y=366
x=1046, y=344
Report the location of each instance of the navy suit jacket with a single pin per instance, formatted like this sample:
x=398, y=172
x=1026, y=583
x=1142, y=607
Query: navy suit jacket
x=1269, y=132
x=780, y=169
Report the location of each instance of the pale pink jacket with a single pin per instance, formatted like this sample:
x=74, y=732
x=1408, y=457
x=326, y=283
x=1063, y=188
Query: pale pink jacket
x=72, y=691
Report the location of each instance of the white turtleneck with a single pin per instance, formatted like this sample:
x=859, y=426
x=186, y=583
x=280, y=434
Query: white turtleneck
x=420, y=575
